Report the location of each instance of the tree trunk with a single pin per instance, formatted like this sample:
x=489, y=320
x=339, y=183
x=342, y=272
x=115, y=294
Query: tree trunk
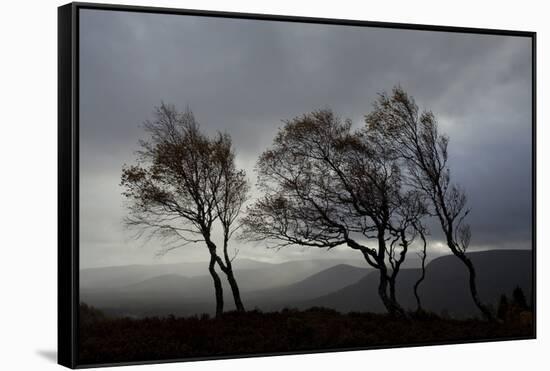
x=391, y=304
x=393, y=308
x=217, y=284
x=417, y=285
x=227, y=268
x=382, y=292
x=235, y=290
x=473, y=287
x=391, y=282
x=423, y=274
x=472, y=276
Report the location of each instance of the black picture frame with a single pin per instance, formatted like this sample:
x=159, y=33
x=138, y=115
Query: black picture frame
x=68, y=164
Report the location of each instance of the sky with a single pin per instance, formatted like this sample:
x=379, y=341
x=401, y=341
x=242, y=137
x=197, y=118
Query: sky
x=247, y=76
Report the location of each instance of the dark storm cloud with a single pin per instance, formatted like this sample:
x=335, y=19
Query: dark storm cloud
x=245, y=76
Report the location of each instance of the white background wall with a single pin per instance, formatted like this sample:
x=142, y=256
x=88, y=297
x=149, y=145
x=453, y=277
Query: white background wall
x=28, y=155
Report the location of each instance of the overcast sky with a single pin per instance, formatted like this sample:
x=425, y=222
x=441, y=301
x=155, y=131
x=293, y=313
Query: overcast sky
x=245, y=76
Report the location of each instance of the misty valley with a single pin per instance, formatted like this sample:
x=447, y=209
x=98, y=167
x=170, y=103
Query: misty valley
x=345, y=286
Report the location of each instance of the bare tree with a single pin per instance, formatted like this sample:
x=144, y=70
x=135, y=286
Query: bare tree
x=183, y=182
x=415, y=136
x=327, y=186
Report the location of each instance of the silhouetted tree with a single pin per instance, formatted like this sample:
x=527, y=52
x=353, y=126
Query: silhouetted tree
x=327, y=186
x=183, y=182
x=518, y=299
x=415, y=136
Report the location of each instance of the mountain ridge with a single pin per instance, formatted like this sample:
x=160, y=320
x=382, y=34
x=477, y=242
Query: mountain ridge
x=340, y=286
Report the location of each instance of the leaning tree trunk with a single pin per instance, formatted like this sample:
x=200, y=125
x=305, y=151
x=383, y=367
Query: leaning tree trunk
x=423, y=274
x=417, y=285
x=227, y=268
x=472, y=277
x=217, y=284
x=473, y=287
x=235, y=290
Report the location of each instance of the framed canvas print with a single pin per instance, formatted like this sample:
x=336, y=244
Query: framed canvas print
x=236, y=185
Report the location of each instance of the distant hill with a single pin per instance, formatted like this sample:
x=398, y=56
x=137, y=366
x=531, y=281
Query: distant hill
x=322, y=283
x=445, y=287
x=328, y=280
x=137, y=291
x=120, y=276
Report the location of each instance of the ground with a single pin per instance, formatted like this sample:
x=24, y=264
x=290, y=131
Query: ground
x=106, y=340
